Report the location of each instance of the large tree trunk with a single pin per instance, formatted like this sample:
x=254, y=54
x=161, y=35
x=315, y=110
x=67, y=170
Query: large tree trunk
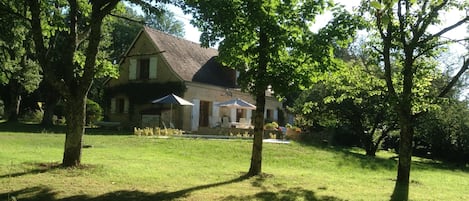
x=256, y=158
x=260, y=87
x=75, y=116
x=404, y=109
x=401, y=188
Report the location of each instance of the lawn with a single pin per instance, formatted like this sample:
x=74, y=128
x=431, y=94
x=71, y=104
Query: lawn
x=126, y=167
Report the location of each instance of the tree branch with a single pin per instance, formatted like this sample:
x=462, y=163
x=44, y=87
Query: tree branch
x=431, y=47
x=443, y=31
x=376, y=49
x=128, y=18
x=427, y=20
x=41, y=50
x=455, y=79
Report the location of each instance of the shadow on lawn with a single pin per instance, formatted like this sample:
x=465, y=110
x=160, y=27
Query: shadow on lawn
x=39, y=168
x=19, y=127
x=376, y=163
x=46, y=193
x=284, y=195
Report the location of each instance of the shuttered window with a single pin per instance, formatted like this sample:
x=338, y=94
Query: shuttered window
x=143, y=68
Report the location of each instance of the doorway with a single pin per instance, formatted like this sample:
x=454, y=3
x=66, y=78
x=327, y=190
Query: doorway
x=204, y=113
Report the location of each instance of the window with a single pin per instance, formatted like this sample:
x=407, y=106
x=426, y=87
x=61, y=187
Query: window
x=143, y=69
x=269, y=115
x=120, y=105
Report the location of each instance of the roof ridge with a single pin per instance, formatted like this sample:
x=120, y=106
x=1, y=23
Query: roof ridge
x=176, y=37
x=189, y=60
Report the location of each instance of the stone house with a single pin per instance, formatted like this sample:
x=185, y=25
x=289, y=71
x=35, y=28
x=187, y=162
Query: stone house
x=157, y=64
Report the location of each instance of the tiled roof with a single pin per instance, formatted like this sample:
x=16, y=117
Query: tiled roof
x=191, y=61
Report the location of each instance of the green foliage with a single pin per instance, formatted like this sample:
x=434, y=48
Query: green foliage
x=406, y=45
x=352, y=101
x=271, y=126
x=16, y=50
x=165, y=22
x=94, y=112
x=444, y=133
x=122, y=31
x=31, y=116
x=238, y=26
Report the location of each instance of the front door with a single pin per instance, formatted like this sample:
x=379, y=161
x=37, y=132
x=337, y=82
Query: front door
x=204, y=113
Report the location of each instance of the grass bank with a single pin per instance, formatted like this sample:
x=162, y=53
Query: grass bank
x=124, y=167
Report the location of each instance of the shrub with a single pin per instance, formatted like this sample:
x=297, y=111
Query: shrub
x=94, y=112
x=271, y=126
x=32, y=116
x=156, y=131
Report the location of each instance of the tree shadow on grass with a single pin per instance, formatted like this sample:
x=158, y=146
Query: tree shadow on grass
x=45, y=193
x=351, y=158
x=376, y=163
x=365, y=162
x=284, y=195
x=428, y=164
x=19, y=127
x=39, y=168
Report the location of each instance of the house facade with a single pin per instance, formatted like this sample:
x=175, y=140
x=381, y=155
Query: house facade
x=158, y=64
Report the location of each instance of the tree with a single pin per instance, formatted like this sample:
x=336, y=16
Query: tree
x=404, y=44
x=165, y=22
x=270, y=44
x=80, y=23
x=255, y=37
x=354, y=97
x=444, y=134
x=19, y=73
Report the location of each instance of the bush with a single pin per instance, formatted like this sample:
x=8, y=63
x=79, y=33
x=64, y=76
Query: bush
x=156, y=131
x=32, y=116
x=343, y=136
x=444, y=134
x=271, y=126
x=94, y=112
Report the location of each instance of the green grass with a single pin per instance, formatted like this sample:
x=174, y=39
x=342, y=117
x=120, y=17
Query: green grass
x=125, y=167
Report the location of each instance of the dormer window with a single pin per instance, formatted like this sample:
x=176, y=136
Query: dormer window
x=142, y=68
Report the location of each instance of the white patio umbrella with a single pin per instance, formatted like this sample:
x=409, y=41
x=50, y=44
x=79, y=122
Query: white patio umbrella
x=172, y=99
x=237, y=103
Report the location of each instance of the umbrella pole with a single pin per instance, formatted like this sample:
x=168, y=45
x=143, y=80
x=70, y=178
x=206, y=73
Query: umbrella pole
x=170, y=115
